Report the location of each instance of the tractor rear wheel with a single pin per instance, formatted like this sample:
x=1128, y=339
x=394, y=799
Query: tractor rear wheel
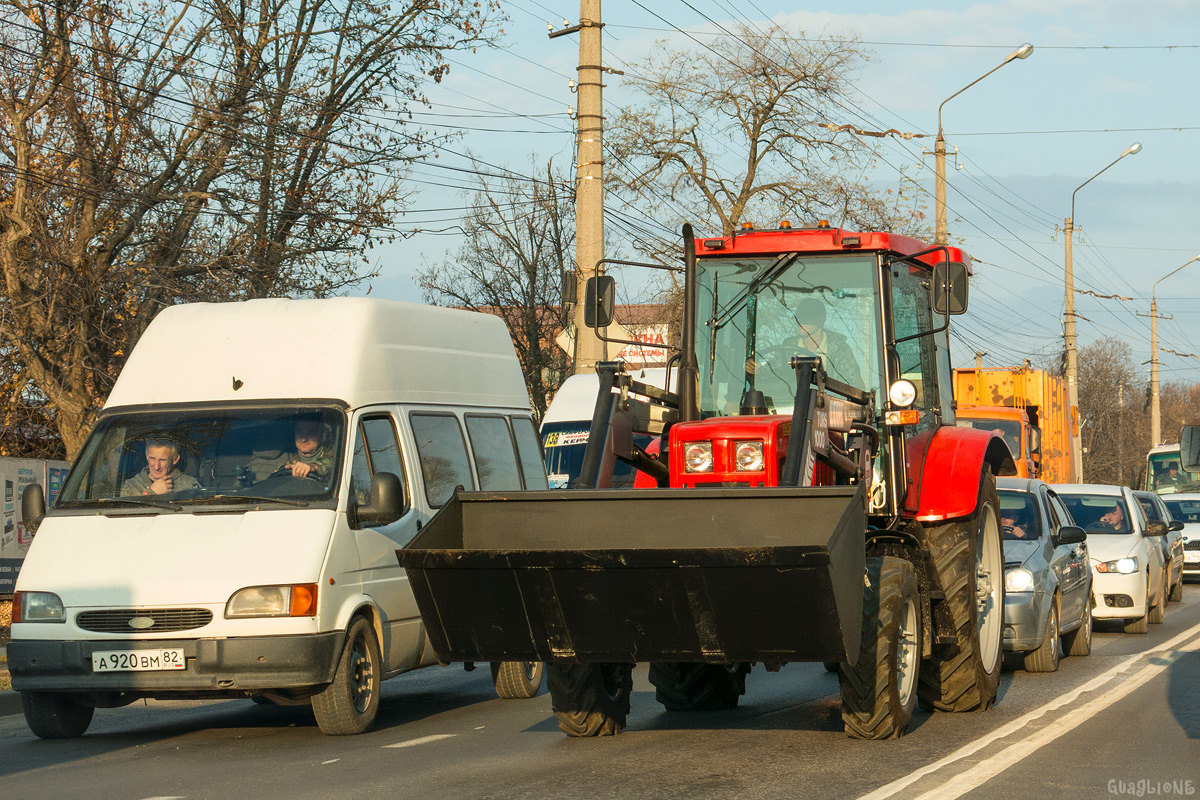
x=969, y=557
x=590, y=699
x=682, y=686
x=879, y=692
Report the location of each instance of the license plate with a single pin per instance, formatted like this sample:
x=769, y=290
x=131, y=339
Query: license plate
x=138, y=660
x=1192, y=557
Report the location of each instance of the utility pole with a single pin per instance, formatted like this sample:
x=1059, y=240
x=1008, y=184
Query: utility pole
x=589, y=178
x=1155, y=407
x=1072, y=367
x=979, y=359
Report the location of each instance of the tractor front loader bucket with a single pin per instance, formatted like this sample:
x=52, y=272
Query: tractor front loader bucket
x=697, y=575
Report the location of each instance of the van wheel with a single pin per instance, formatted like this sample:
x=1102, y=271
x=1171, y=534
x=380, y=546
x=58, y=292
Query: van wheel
x=349, y=704
x=590, y=699
x=969, y=558
x=517, y=680
x=879, y=692
x=682, y=686
x=55, y=715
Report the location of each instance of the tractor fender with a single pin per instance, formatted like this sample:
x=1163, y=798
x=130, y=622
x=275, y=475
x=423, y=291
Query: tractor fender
x=951, y=467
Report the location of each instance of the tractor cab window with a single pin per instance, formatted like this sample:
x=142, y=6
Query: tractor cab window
x=755, y=314
x=918, y=357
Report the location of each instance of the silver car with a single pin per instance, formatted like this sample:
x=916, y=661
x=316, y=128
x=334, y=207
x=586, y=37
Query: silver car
x=1171, y=543
x=1186, y=509
x=1047, y=577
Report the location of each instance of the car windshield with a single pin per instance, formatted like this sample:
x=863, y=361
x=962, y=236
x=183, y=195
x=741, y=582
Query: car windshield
x=564, y=444
x=1184, y=510
x=1098, y=513
x=756, y=313
x=171, y=460
x=1018, y=515
x=1010, y=429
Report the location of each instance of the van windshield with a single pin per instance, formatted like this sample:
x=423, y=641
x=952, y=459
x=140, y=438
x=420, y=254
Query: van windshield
x=281, y=456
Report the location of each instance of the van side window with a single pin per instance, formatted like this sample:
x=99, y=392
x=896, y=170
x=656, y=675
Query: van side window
x=529, y=450
x=495, y=453
x=443, y=455
x=375, y=450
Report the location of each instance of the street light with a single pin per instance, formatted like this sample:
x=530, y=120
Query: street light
x=1155, y=415
x=939, y=145
x=1069, y=315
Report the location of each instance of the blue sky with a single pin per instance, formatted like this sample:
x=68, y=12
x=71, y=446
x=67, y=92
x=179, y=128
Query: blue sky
x=1103, y=75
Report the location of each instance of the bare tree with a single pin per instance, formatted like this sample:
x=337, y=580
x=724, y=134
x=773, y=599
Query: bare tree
x=740, y=128
x=1115, y=427
x=162, y=152
x=519, y=236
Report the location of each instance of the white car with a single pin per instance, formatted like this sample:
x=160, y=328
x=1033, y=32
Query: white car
x=1186, y=509
x=1129, y=574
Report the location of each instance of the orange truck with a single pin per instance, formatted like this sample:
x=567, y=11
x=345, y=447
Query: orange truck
x=1030, y=408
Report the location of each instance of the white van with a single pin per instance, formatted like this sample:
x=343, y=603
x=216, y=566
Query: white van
x=242, y=578
x=568, y=420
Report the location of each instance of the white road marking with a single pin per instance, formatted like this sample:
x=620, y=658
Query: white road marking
x=423, y=740
x=893, y=788
x=167, y=797
x=330, y=761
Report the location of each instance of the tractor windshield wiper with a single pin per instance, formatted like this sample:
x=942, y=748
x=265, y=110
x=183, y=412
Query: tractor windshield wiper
x=767, y=276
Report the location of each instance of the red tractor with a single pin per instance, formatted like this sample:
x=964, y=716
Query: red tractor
x=813, y=501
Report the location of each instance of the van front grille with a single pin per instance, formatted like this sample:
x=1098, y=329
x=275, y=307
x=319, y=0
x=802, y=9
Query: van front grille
x=144, y=620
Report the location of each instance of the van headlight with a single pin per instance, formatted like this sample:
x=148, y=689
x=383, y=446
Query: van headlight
x=1122, y=566
x=297, y=600
x=748, y=456
x=1018, y=580
x=698, y=457
x=38, y=607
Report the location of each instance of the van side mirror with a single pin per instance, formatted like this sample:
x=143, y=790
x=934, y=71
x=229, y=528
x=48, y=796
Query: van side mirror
x=33, y=506
x=949, y=288
x=600, y=301
x=1070, y=534
x=387, y=501
x=1189, y=447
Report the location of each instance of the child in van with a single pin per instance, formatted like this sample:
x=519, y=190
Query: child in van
x=312, y=458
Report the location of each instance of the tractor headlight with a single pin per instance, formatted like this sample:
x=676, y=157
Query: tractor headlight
x=1018, y=580
x=698, y=457
x=902, y=393
x=1122, y=566
x=748, y=456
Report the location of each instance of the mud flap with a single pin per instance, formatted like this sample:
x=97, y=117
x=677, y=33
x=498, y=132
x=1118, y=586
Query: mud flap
x=698, y=575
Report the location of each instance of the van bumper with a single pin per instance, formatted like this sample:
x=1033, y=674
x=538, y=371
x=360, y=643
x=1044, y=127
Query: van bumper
x=244, y=663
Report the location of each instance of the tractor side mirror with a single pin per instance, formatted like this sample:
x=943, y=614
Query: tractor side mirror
x=600, y=301
x=1189, y=447
x=949, y=288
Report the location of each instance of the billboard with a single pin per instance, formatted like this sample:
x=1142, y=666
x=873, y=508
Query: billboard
x=15, y=538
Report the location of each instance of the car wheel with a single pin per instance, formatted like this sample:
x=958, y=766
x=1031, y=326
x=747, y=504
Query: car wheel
x=1079, y=641
x=1046, y=657
x=1158, y=611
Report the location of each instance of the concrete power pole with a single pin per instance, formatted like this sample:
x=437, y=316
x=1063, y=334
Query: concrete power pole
x=1072, y=367
x=589, y=181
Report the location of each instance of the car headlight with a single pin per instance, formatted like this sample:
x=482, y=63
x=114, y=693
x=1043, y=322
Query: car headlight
x=1121, y=566
x=299, y=600
x=748, y=456
x=698, y=457
x=1018, y=580
x=38, y=607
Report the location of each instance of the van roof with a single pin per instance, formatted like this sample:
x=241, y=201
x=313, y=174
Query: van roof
x=358, y=350
x=576, y=399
